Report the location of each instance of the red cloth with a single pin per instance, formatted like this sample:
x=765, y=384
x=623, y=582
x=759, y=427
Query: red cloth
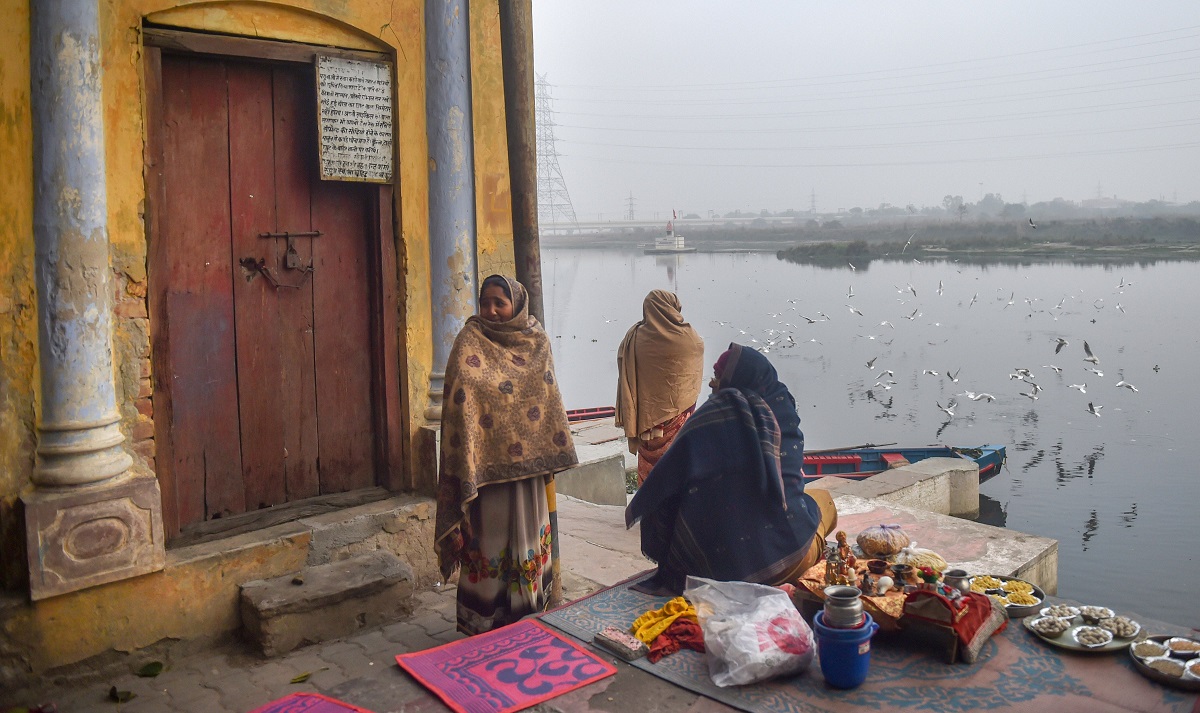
x=684, y=632
x=973, y=617
x=650, y=451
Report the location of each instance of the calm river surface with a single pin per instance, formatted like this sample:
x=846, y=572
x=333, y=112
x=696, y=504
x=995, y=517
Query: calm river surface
x=1118, y=491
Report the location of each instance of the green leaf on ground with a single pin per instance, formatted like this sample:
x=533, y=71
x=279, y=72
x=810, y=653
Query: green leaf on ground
x=120, y=696
x=151, y=669
x=305, y=676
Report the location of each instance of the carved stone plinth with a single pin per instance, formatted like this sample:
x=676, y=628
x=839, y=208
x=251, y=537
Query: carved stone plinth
x=80, y=537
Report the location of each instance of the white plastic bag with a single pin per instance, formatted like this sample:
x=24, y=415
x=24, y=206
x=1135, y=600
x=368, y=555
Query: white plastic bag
x=752, y=632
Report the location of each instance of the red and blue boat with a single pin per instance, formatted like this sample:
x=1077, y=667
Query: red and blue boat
x=864, y=461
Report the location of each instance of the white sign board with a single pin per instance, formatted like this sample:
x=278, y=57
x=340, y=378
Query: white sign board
x=354, y=119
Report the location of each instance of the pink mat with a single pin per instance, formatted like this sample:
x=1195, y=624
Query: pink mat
x=505, y=670
x=308, y=703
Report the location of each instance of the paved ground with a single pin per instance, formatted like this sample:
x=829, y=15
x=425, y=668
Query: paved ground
x=362, y=669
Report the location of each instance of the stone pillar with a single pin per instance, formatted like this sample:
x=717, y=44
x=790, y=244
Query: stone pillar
x=89, y=520
x=452, y=263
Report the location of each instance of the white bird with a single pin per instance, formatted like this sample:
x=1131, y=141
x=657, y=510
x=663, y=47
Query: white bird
x=852, y=267
x=1097, y=372
x=973, y=298
x=1119, y=307
x=916, y=261
x=1032, y=224
x=855, y=310
x=1032, y=397
x=979, y=397
x=1010, y=301
x=948, y=408
x=915, y=313
x=1057, y=369
x=871, y=363
x=850, y=292
x=888, y=372
x=929, y=371
x=1061, y=343
x=906, y=244
x=1127, y=385
x=953, y=377
x=912, y=289
x=887, y=323
x=939, y=287
x=1082, y=387
x=1090, y=357
x=1036, y=389
x=1094, y=410
x=810, y=320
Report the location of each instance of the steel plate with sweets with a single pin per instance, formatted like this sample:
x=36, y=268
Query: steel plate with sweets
x=1020, y=598
x=1077, y=636
x=1156, y=664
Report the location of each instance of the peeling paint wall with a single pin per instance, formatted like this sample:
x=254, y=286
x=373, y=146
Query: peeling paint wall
x=18, y=301
x=493, y=200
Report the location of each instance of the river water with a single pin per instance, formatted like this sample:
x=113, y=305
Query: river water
x=1118, y=491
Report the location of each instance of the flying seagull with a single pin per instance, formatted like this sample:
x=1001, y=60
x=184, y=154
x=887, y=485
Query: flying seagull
x=1061, y=343
x=953, y=377
x=1090, y=357
x=1094, y=410
x=929, y=371
x=1127, y=385
x=871, y=363
x=979, y=397
x=1032, y=224
x=855, y=310
x=939, y=290
x=1057, y=369
x=850, y=293
x=973, y=300
x=852, y=267
x=908, y=243
x=948, y=408
x=1082, y=387
x=1031, y=396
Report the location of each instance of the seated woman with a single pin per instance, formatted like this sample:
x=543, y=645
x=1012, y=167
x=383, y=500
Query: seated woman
x=660, y=368
x=727, y=500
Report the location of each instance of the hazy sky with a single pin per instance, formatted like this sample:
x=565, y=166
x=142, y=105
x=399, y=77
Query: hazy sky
x=698, y=105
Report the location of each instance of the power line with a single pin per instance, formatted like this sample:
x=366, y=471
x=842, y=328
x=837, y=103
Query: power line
x=554, y=202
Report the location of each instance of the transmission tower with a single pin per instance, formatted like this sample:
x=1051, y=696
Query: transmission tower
x=629, y=205
x=554, y=203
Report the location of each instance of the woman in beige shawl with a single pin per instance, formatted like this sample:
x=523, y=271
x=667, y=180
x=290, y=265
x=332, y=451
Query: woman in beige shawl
x=660, y=368
x=504, y=436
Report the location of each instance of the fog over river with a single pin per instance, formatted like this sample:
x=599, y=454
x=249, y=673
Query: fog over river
x=1116, y=489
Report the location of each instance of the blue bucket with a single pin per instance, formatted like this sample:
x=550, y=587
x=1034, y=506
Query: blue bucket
x=845, y=653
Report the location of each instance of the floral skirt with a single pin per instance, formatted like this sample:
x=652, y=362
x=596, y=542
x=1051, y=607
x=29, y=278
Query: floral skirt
x=650, y=451
x=505, y=570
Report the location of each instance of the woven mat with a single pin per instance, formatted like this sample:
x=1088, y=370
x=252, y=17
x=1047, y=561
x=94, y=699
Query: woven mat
x=1015, y=671
x=308, y=703
x=505, y=670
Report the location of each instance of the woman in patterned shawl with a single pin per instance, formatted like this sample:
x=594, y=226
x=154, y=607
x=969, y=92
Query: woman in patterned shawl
x=727, y=501
x=504, y=436
x=660, y=368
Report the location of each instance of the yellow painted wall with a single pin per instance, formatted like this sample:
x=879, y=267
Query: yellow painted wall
x=493, y=200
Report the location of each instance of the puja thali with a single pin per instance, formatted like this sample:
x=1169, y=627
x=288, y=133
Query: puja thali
x=1068, y=639
x=1144, y=666
x=1014, y=610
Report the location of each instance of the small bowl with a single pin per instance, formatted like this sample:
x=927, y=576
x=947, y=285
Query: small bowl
x=1050, y=626
x=1093, y=615
x=877, y=567
x=1175, y=646
x=1167, y=666
x=1149, y=650
x=1114, y=623
x=1060, y=611
x=1105, y=637
x=1193, y=668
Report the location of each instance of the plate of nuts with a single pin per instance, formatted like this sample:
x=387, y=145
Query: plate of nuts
x=1067, y=633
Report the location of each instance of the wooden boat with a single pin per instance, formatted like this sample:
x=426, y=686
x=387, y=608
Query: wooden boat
x=864, y=461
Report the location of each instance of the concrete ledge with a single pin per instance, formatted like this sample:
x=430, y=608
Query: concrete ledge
x=949, y=486
x=977, y=548
x=599, y=481
x=326, y=601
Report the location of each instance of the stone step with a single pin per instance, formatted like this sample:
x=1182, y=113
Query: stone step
x=326, y=601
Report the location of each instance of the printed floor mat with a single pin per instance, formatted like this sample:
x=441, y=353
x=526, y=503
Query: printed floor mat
x=505, y=670
x=308, y=703
x=1014, y=672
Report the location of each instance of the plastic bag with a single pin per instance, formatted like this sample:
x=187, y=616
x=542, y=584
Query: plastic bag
x=752, y=632
x=920, y=557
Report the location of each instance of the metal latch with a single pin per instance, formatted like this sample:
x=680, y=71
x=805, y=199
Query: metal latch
x=291, y=259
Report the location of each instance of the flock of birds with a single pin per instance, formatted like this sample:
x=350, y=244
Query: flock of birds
x=783, y=337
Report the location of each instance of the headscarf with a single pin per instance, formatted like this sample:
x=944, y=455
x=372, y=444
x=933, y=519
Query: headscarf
x=727, y=500
x=660, y=366
x=502, y=414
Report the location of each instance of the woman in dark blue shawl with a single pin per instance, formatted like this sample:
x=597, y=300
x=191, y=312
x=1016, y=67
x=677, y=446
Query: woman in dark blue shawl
x=727, y=500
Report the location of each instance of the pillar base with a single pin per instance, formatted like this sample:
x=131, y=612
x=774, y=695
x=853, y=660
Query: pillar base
x=84, y=536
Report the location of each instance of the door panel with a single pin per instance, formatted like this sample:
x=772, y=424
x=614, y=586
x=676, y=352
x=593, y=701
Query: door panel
x=206, y=450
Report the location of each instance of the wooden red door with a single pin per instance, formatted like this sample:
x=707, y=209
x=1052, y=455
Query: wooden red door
x=264, y=361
